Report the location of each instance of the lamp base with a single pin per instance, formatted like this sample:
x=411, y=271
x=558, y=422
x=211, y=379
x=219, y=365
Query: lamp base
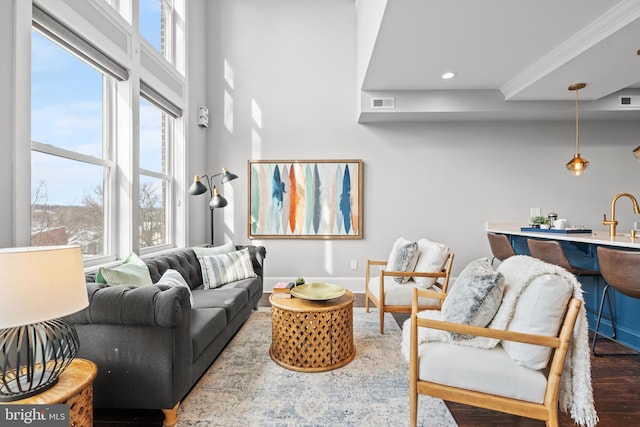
x=33, y=357
x=24, y=385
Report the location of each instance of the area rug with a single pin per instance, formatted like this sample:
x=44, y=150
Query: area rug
x=244, y=387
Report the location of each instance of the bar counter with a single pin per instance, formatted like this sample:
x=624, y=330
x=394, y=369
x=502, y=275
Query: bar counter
x=581, y=249
x=596, y=237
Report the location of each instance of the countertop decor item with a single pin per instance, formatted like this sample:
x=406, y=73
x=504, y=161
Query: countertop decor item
x=577, y=165
x=557, y=231
x=216, y=201
x=38, y=286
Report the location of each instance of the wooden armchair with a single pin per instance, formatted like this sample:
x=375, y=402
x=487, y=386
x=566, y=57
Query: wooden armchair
x=392, y=297
x=472, y=367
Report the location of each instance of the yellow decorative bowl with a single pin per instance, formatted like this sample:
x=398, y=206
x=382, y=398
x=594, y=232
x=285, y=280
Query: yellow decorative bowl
x=318, y=291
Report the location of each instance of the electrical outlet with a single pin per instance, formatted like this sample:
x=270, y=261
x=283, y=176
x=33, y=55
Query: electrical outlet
x=354, y=264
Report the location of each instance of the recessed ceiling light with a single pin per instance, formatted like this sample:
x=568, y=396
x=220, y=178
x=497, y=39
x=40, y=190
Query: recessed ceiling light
x=448, y=75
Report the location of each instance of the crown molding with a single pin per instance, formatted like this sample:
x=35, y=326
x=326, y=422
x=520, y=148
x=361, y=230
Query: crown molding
x=618, y=17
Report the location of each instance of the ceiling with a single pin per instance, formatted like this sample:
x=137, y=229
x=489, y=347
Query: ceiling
x=513, y=50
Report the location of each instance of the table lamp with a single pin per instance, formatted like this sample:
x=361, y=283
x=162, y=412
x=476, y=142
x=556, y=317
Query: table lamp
x=38, y=285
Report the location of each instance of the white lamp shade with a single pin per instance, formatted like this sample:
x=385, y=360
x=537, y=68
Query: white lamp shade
x=40, y=283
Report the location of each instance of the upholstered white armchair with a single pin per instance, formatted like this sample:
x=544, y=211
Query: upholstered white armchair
x=513, y=340
x=423, y=264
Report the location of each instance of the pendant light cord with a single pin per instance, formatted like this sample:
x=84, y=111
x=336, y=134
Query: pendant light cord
x=577, y=128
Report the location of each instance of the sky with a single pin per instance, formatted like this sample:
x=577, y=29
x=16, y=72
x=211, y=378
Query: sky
x=66, y=112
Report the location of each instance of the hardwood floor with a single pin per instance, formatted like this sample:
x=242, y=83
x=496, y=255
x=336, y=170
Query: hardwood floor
x=615, y=378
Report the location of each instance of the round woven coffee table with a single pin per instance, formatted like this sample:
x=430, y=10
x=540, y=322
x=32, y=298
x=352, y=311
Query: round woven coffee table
x=312, y=336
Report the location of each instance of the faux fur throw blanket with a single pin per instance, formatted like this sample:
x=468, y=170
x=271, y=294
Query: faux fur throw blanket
x=576, y=392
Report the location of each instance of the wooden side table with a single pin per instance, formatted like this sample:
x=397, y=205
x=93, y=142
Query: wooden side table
x=74, y=388
x=312, y=336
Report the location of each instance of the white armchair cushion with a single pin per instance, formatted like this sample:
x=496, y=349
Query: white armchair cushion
x=489, y=371
x=399, y=294
x=540, y=310
x=474, y=297
x=403, y=257
x=431, y=259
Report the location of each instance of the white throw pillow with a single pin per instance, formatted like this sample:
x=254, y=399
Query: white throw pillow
x=431, y=259
x=173, y=277
x=474, y=297
x=403, y=257
x=540, y=310
x=214, y=250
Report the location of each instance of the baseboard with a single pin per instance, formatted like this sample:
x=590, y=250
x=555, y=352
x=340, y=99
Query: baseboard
x=354, y=284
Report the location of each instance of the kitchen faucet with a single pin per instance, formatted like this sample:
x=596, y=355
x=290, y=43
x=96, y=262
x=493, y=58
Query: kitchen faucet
x=612, y=223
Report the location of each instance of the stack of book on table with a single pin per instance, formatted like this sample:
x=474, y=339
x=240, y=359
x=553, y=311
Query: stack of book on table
x=282, y=289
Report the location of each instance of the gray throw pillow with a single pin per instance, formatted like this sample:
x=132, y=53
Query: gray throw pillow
x=475, y=296
x=403, y=257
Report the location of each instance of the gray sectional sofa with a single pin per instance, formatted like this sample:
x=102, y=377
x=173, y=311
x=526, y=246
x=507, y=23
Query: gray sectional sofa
x=150, y=345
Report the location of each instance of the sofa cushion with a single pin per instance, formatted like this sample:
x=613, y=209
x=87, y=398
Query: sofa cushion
x=488, y=371
x=133, y=271
x=474, y=297
x=173, y=277
x=431, y=258
x=224, y=268
x=206, y=324
x=403, y=257
x=184, y=261
x=232, y=300
x=253, y=286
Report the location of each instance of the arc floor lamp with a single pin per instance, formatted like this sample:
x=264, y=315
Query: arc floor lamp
x=216, y=199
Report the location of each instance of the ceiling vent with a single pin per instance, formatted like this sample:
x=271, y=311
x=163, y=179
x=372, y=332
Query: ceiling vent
x=379, y=103
x=629, y=101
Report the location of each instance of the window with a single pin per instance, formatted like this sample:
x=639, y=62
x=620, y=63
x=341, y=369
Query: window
x=151, y=15
x=161, y=23
x=68, y=170
x=94, y=181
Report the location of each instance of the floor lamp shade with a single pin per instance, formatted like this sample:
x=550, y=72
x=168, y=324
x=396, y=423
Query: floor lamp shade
x=38, y=285
x=216, y=200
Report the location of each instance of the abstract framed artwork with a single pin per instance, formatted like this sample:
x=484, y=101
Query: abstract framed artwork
x=305, y=199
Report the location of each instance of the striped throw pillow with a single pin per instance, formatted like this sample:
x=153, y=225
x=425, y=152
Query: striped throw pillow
x=218, y=270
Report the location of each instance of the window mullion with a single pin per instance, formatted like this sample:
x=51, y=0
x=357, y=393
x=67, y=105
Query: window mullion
x=67, y=154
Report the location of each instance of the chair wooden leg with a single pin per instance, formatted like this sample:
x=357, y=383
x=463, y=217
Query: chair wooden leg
x=413, y=405
x=171, y=416
x=366, y=302
x=381, y=320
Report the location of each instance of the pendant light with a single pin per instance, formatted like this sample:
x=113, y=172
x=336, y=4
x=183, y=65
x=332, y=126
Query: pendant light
x=577, y=165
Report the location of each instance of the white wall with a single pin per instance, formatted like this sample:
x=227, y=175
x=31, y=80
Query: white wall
x=296, y=59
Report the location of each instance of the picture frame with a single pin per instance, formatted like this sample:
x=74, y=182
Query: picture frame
x=305, y=199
